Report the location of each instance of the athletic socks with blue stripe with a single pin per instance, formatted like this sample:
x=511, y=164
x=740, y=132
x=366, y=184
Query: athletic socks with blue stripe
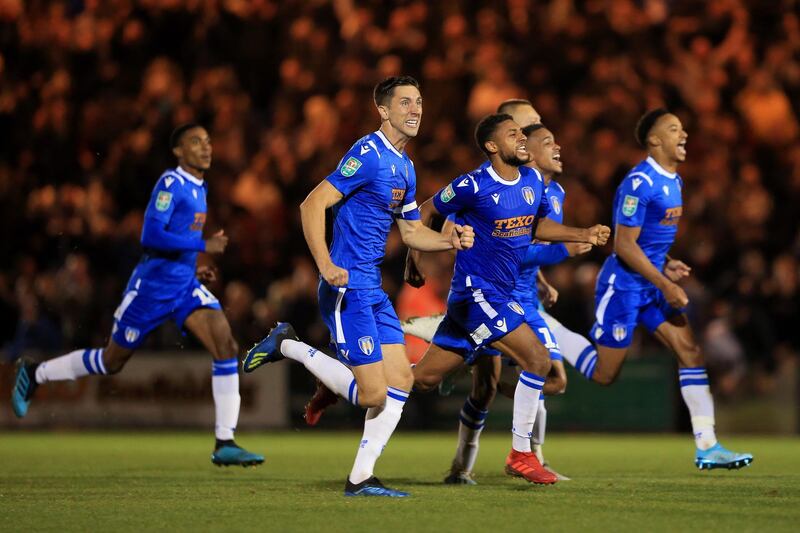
x=379, y=424
x=526, y=405
x=328, y=370
x=225, y=389
x=71, y=366
x=576, y=349
x=471, y=423
x=697, y=396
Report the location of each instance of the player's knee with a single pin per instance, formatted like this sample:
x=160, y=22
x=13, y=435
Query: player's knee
x=604, y=378
x=404, y=379
x=425, y=382
x=371, y=397
x=537, y=361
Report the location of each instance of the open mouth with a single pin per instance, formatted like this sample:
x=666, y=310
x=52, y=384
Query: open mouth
x=682, y=148
x=412, y=123
x=557, y=158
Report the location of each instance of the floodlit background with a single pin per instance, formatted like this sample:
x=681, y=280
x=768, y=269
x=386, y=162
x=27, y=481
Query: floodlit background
x=90, y=90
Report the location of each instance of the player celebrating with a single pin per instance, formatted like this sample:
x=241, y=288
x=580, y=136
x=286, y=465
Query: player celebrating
x=545, y=158
x=504, y=202
x=374, y=183
x=637, y=284
x=163, y=286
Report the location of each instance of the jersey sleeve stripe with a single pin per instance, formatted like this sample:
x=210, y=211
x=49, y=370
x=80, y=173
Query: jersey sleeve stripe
x=647, y=178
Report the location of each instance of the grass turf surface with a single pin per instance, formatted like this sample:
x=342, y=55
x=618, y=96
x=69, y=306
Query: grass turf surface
x=165, y=481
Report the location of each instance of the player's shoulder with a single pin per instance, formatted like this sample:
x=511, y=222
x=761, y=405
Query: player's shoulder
x=171, y=179
x=377, y=146
x=472, y=180
x=555, y=187
x=642, y=177
x=363, y=147
x=531, y=174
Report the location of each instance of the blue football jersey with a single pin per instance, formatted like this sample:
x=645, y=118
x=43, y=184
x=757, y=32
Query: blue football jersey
x=649, y=197
x=525, y=289
x=379, y=185
x=178, y=202
x=503, y=214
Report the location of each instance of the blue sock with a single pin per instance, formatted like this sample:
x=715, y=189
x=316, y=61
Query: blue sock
x=93, y=361
x=471, y=423
x=586, y=362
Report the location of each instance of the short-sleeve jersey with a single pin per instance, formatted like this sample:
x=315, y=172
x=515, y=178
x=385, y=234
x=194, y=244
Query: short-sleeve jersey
x=178, y=202
x=502, y=214
x=379, y=184
x=525, y=290
x=649, y=197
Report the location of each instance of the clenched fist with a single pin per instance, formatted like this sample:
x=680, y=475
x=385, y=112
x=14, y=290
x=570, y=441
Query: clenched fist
x=463, y=237
x=334, y=275
x=598, y=234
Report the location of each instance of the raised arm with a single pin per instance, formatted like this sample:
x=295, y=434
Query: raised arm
x=550, y=230
x=418, y=235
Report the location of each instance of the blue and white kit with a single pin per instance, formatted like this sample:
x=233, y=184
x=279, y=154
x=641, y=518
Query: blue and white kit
x=379, y=184
x=649, y=197
x=163, y=285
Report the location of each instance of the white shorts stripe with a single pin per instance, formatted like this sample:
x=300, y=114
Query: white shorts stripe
x=477, y=295
x=337, y=315
x=601, y=309
x=126, y=302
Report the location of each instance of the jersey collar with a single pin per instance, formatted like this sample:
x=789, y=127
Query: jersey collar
x=658, y=168
x=187, y=176
x=498, y=179
x=389, y=145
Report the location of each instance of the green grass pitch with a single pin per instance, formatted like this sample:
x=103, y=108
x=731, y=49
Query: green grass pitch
x=165, y=481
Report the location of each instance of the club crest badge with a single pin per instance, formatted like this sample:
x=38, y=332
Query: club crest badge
x=131, y=334
x=619, y=332
x=514, y=306
x=366, y=344
x=528, y=195
x=555, y=204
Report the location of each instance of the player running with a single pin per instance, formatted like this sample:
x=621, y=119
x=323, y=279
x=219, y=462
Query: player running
x=163, y=286
x=504, y=202
x=545, y=158
x=637, y=284
x=374, y=184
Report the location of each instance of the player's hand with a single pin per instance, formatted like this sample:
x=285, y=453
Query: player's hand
x=598, y=234
x=577, y=248
x=334, y=275
x=216, y=243
x=548, y=294
x=412, y=275
x=676, y=270
x=463, y=237
x=206, y=274
x=675, y=295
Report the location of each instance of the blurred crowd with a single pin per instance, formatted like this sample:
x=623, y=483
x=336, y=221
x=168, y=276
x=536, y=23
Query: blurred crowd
x=90, y=90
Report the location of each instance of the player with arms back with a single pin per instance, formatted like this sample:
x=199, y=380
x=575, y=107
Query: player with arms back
x=164, y=286
x=374, y=184
x=637, y=284
x=506, y=204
